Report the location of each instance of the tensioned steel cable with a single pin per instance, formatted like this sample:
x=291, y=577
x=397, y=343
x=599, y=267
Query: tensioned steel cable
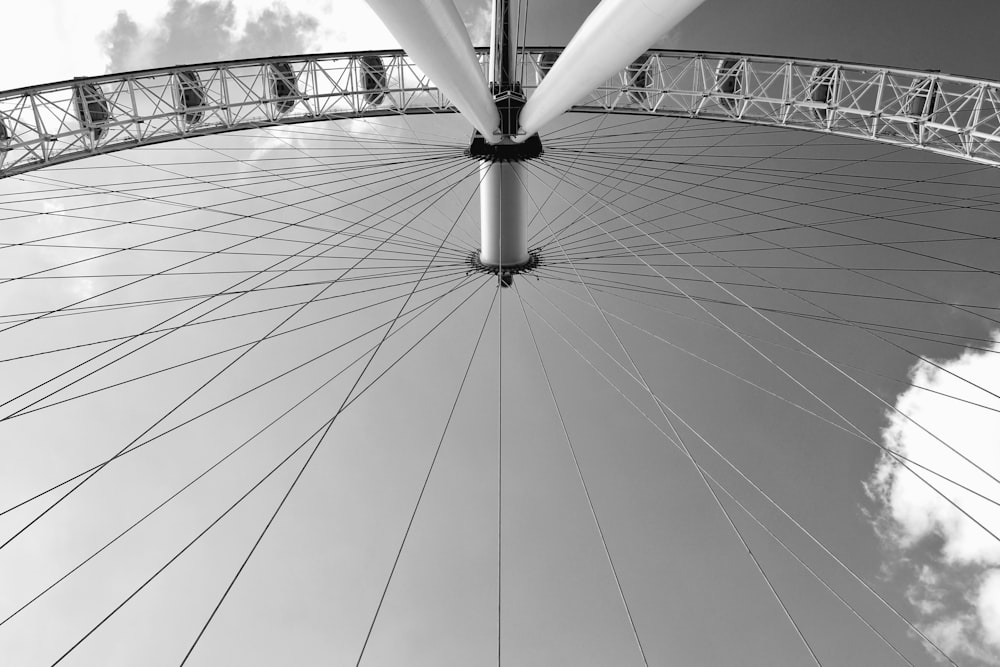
x=579, y=473
x=445, y=270
x=214, y=187
x=767, y=214
x=324, y=431
x=798, y=382
x=427, y=477
x=178, y=405
x=36, y=408
x=842, y=163
x=142, y=443
x=314, y=158
x=123, y=305
x=391, y=169
x=676, y=128
x=331, y=235
x=125, y=196
x=967, y=308
x=413, y=316
x=835, y=367
x=793, y=224
x=834, y=265
x=678, y=439
x=737, y=470
x=599, y=169
x=854, y=434
x=963, y=307
x=183, y=233
x=959, y=341
x=319, y=442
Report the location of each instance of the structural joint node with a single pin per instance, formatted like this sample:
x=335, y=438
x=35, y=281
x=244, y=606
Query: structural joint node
x=509, y=101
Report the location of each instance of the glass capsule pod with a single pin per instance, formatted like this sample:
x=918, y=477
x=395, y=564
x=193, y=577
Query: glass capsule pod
x=191, y=96
x=822, y=89
x=4, y=139
x=373, y=78
x=546, y=61
x=729, y=77
x=92, y=109
x=637, y=79
x=922, y=97
x=283, y=84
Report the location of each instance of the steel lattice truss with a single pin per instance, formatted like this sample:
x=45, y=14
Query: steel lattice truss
x=54, y=123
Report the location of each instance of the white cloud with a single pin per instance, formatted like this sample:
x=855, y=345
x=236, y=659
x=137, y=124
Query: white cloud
x=477, y=17
x=952, y=563
x=988, y=606
x=191, y=32
x=64, y=38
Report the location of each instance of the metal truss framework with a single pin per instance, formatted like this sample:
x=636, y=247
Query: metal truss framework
x=54, y=123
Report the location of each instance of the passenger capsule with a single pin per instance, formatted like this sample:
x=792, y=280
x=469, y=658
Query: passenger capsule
x=92, y=108
x=4, y=140
x=729, y=80
x=637, y=76
x=373, y=78
x=822, y=89
x=546, y=61
x=191, y=95
x=923, y=97
x=284, y=86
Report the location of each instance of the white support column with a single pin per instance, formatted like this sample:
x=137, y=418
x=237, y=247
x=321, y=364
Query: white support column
x=613, y=36
x=433, y=34
x=504, y=220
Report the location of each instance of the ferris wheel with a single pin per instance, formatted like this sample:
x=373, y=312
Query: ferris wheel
x=464, y=356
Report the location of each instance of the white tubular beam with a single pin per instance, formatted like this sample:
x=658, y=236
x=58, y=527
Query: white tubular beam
x=433, y=34
x=613, y=36
x=503, y=228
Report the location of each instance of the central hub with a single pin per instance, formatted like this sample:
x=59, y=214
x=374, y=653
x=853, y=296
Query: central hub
x=503, y=193
x=509, y=101
x=505, y=273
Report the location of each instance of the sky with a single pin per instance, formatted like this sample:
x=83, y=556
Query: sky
x=692, y=594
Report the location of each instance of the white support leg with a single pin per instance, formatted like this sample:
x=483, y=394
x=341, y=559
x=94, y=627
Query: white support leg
x=433, y=34
x=614, y=35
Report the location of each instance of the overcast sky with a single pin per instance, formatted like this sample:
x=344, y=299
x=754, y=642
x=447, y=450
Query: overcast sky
x=695, y=598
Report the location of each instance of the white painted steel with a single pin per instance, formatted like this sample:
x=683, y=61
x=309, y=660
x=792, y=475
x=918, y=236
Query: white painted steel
x=433, y=34
x=945, y=114
x=504, y=219
x=612, y=37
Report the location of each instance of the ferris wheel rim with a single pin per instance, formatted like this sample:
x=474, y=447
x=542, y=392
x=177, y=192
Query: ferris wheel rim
x=68, y=120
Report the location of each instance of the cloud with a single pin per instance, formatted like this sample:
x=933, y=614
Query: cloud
x=949, y=566
x=477, y=17
x=193, y=32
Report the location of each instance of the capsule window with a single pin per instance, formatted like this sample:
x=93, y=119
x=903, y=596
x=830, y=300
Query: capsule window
x=822, y=89
x=373, y=78
x=4, y=139
x=191, y=95
x=283, y=84
x=92, y=108
x=922, y=98
x=546, y=61
x=637, y=76
x=729, y=81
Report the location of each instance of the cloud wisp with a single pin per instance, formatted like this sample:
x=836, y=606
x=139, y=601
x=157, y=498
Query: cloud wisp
x=193, y=32
x=949, y=566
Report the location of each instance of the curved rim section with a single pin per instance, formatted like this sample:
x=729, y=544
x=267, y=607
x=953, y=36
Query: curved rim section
x=60, y=122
